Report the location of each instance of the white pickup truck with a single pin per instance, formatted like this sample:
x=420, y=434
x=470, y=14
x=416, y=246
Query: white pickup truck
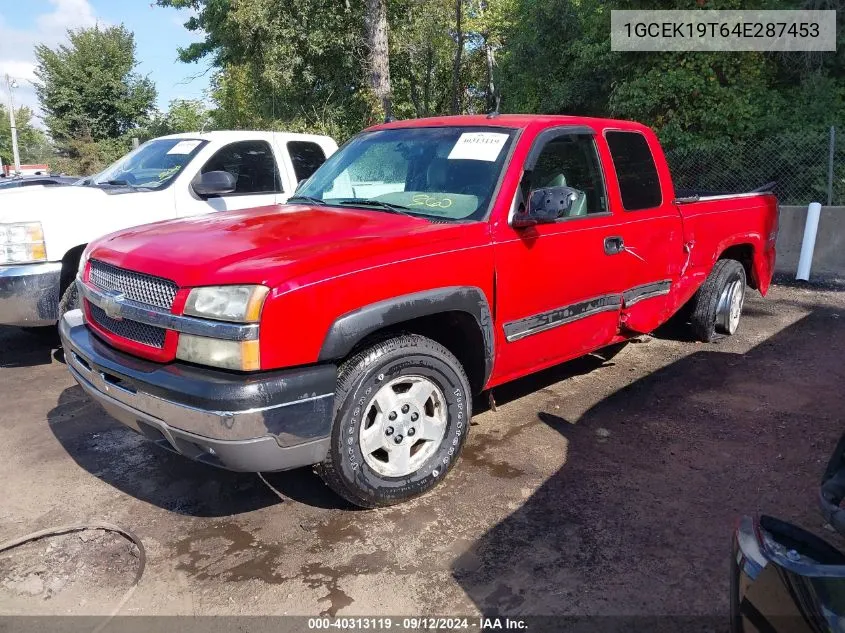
x=44, y=231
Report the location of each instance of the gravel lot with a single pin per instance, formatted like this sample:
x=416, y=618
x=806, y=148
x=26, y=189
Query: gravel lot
x=597, y=487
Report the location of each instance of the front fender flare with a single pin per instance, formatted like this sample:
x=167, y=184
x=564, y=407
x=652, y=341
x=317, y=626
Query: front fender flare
x=349, y=329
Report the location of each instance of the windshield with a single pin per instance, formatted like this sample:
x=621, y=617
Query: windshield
x=440, y=172
x=153, y=165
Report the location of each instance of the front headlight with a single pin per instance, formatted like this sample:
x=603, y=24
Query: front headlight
x=21, y=243
x=227, y=303
x=237, y=355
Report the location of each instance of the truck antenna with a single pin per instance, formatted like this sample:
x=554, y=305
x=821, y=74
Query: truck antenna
x=495, y=112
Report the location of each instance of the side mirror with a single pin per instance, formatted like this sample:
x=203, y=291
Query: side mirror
x=546, y=205
x=214, y=183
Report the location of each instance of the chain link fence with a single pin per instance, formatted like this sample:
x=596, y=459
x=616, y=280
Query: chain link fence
x=799, y=163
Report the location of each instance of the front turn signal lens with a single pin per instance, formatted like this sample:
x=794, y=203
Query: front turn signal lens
x=235, y=355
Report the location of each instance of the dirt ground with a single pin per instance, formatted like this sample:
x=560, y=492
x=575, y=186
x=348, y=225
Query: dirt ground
x=597, y=487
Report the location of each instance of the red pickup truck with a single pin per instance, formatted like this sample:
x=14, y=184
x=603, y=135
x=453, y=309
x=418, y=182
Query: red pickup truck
x=424, y=262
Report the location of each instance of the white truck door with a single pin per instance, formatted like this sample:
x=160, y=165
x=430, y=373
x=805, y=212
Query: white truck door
x=256, y=172
x=301, y=157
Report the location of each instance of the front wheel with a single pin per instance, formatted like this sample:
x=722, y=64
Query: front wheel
x=70, y=300
x=402, y=411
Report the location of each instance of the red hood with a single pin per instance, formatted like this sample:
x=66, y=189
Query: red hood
x=269, y=245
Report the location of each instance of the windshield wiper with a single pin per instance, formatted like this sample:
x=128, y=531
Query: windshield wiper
x=309, y=199
x=116, y=182
x=380, y=204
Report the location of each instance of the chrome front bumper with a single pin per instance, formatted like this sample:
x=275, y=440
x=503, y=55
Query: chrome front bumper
x=29, y=294
x=274, y=421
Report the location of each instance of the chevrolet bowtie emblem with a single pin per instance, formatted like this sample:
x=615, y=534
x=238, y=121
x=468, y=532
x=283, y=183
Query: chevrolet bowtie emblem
x=112, y=303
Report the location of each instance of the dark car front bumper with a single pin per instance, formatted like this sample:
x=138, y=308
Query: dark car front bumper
x=785, y=580
x=246, y=422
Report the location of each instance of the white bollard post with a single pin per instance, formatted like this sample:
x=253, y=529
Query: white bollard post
x=811, y=227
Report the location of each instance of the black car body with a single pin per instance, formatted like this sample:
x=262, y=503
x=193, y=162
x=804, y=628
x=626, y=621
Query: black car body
x=32, y=181
x=785, y=579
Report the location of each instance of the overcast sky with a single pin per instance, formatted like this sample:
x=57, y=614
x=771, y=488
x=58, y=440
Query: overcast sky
x=158, y=34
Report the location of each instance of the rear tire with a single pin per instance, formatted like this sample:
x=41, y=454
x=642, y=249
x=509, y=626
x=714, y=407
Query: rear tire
x=402, y=411
x=717, y=306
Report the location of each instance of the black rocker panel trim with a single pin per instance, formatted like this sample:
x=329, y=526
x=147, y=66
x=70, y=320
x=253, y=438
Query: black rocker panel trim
x=537, y=323
x=646, y=291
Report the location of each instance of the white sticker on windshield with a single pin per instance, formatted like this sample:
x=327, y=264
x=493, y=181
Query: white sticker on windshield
x=478, y=146
x=184, y=147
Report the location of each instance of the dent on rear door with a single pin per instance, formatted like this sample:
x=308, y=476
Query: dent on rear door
x=651, y=228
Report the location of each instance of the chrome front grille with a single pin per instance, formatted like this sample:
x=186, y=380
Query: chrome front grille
x=139, y=332
x=139, y=287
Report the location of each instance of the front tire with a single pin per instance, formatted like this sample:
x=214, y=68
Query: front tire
x=70, y=300
x=402, y=411
x=717, y=306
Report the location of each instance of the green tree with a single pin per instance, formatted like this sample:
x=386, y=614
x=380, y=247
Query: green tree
x=183, y=115
x=307, y=64
x=33, y=145
x=558, y=60
x=422, y=56
x=488, y=23
x=84, y=156
x=320, y=65
x=88, y=87
x=284, y=62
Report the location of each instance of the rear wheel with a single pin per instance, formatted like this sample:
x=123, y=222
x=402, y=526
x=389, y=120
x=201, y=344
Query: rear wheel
x=402, y=412
x=717, y=306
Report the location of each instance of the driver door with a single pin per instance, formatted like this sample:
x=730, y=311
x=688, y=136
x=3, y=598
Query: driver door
x=256, y=170
x=559, y=291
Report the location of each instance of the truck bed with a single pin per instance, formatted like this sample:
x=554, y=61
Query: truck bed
x=713, y=224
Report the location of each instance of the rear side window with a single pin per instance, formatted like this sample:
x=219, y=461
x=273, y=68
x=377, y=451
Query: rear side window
x=306, y=158
x=635, y=169
x=251, y=163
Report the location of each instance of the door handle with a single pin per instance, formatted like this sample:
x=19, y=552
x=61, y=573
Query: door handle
x=613, y=245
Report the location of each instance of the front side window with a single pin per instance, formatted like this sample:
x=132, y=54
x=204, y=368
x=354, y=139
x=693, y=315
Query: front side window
x=635, y=169
x=571, y=161
x=447, y=173
x=153, y=165
x=306, y=158
x=251, y=163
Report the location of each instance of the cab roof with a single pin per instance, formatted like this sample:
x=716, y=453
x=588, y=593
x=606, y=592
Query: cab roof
x=227, y=136
x=518, y=121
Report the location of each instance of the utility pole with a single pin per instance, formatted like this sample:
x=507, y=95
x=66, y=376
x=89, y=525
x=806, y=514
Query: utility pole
x=11, y=83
